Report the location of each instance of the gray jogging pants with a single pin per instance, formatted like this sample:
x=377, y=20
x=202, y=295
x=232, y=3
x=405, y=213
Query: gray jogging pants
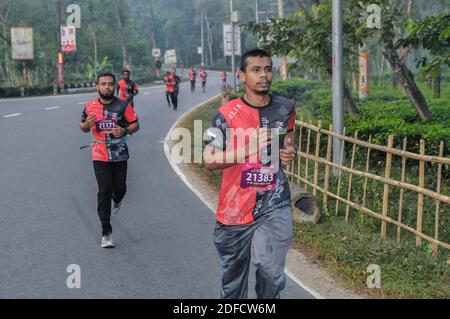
x=265, y=243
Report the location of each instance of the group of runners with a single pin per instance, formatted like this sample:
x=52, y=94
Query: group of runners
x=253, y=217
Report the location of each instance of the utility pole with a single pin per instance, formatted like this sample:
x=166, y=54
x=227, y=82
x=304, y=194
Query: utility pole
x=152, y=25
x=202, y=41
x=256, y=12
x=283, y=61
x=338, y=80
x=233, y=64
x=60, y=62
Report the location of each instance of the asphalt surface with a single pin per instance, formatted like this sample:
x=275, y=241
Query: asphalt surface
x=48, y=220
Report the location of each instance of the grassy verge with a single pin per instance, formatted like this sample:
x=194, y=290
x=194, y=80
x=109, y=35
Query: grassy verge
x=347, y=249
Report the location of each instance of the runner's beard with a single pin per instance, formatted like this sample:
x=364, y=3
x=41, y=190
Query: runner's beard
x=107, y=97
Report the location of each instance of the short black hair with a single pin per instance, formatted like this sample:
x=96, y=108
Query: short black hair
x=106, y=74
x=252, y=53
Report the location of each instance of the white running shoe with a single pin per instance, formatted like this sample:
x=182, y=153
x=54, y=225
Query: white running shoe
x=115, y=208
x=107, y=241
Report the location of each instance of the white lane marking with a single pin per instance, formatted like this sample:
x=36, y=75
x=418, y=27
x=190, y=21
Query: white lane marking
x=51, y=108
x=206, y=202
x=82, y=103
x=298, y=282
x=12, y=115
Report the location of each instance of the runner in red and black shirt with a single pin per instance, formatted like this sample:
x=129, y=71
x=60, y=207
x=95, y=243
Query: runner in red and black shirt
x=110, y=119
x=169, y=87
x=248, y=139
x=223, y=76
x=192, y=78
x=203, y=75
x=126, y=88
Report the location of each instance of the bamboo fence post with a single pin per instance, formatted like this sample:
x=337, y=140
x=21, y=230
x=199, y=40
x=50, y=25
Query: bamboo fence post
x=386, y=186
x=293, y=166
x=327, y=168
x=365, y=178
x=347, y=209
x=438, y=203
x=421, y=197
x=316, y=163
x=341, y=160
x=298, y=153
x=400, y=205
x=307, y=160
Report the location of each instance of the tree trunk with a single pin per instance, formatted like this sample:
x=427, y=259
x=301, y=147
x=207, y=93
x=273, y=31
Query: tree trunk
x=152, y=24
x=409, y=12
x=430, y=82
x=122, y=35
x=7, y=73
x=437, y=85
x=406, y=80
x=351, y=105
x=355, y=81
x=4, y=19
x=95, y=53
x=380, y=72
x=209, y=38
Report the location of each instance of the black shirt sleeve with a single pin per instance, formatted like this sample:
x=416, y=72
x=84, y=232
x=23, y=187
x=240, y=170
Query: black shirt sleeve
x=218, y=135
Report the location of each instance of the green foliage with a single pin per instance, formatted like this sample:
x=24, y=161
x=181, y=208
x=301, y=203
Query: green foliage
x=387, y=111
x=407, y=271
x=432, y=34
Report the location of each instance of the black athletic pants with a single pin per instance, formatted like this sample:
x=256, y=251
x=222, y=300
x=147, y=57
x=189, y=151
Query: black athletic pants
x=174, y=99
x=167, y=97
x=111, y=181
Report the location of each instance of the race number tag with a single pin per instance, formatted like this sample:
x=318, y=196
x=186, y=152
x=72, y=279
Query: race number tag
x=105, y=123
x=258, y=177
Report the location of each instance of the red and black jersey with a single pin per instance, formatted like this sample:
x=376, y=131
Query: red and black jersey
x=240, y=202
x=105, y=146
x=127, y=89
x=169, y=81
x=203, y=75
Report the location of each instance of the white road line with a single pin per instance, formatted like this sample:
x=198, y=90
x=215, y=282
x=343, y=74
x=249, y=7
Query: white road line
x=51, y=108
x=206, y=202
x=12, y=115
x=81, y=103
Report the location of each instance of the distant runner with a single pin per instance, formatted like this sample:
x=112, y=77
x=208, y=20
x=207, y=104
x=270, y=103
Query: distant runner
x=126, y=88
x=203, y=75
x=192, y=77
x=168, y=84
x=223, y=76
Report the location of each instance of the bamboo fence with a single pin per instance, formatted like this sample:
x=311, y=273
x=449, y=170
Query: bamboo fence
x=309, y=149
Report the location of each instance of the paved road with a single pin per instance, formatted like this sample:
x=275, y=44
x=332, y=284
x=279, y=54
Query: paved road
x=48, y=219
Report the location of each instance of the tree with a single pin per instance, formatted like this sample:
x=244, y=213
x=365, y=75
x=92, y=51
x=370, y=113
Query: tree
x=309, y=40
x=433, y=35
x=307, y=37
x=5, y=9
x=389, y=39
x=119, y=8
